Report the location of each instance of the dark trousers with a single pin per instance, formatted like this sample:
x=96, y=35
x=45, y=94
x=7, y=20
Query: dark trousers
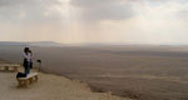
x=27, y=70
x=26, y=65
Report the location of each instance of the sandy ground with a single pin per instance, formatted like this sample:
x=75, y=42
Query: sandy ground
x=142, y=72
x=49, y=87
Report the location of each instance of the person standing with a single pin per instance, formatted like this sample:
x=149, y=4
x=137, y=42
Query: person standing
x=27, y=60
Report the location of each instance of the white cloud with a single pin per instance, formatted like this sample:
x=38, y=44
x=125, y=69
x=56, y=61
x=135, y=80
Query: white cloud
x=96, y=10
x=88, y=21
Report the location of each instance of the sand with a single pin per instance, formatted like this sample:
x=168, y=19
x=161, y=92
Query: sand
x=144, y=72
x=49, y=87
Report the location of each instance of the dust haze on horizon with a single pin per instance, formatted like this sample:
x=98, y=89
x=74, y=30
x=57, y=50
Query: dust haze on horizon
x=95, y=21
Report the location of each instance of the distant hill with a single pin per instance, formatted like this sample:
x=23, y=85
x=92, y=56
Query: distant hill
x=40, y=44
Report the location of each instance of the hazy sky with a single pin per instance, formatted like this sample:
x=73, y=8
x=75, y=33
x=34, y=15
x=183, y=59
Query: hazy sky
x=95, y=21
